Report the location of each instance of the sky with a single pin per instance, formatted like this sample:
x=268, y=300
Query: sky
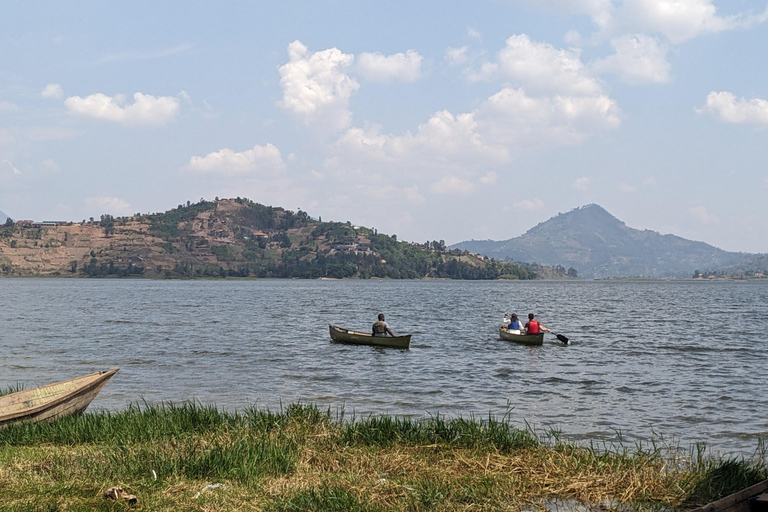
x=430, y=120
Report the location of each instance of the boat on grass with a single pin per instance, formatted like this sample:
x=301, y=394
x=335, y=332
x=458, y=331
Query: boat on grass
x=342, y=335
x=523, y=339
x=47, y=403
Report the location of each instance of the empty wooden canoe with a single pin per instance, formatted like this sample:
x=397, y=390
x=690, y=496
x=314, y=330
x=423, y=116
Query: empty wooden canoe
x=361, y=338
x=47, y=403
x=523, y=339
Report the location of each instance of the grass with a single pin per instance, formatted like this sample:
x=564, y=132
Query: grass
x=195, y=457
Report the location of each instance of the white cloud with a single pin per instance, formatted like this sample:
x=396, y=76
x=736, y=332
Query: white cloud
x=528, y=205
x=456, y=56
x=701, y=215
x=582, y=183
x=677, y=20
x=145, y=110
x=650, y=181
x=7, y=106
x=489, y=178
x=316, y=87
x=259, y=159
x=52, y=91
x=638, y=59
x=50, y=166
x=474, y=34
x=400, y=67
x=14, y=169
x=108, y=205
x=680, y=20
x=626, y=188
x=452, y=185
x=412, y=194
x=465, y=145
x=726, y=107
x=512, y=118
x=540, y=68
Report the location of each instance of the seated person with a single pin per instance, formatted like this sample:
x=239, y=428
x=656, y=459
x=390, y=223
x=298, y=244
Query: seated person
x=514, y=327
x=381, y=328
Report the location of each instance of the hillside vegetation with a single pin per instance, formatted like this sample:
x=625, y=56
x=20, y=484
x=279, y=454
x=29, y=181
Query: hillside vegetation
x=236, y=238
x=598, y=245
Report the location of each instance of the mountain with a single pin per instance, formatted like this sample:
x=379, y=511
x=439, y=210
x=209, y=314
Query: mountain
x=2, y=217
x=237, y=238
x=599, y=245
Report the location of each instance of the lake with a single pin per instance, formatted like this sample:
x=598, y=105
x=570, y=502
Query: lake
x=675, y=361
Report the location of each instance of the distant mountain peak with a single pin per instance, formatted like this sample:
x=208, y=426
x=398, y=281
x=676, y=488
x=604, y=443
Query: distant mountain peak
x=597, y=245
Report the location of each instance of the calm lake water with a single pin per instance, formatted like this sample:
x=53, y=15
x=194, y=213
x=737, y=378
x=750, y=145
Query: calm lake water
x=682, y=362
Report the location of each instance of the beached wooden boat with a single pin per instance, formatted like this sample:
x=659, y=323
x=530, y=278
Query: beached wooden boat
x=47, y=403
x=341, y=335
x=751, y=499
x=523, y=339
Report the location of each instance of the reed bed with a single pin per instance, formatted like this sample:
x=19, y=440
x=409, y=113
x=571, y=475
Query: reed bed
x=196, y=457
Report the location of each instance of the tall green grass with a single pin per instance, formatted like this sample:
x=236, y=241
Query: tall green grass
x=469, y=463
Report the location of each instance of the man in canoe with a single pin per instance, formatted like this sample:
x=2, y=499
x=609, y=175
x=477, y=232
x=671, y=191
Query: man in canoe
x=533, y=326
x=381, y=328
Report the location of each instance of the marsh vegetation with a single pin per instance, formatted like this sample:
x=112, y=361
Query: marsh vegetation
x=195, y=457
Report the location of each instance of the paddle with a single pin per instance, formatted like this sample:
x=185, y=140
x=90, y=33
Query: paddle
x=561, y=338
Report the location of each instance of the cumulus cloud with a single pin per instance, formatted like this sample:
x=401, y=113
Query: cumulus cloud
x=316, y=86
x=724, y=106
x=52, y=91
x=582, y=183
x=512, y=118
x=50, y=166
x=452, y=185
x=145, y=109
x=677, y=20
x=7, y=106
x=456, y=56
x=109, y=205
x=400, y=67
x=540, y=68
x=527, y=205
x=260, y=159
x=627, y=188
x=638, y=59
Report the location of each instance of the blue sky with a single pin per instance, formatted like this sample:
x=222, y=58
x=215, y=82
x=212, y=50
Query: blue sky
x=429, y=120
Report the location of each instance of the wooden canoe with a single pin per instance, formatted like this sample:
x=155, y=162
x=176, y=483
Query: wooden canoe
x=47, y=403
x=523, y=339
x=753, y=498
x=341, y=335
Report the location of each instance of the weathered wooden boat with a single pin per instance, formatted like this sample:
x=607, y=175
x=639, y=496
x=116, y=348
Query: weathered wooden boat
x=341, y=335
x=751, y=499
x=523, y=339
x=47, y=403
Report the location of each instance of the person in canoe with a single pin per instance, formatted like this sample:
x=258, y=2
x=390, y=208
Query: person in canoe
x=381, y=327
x=515, y=325
x=505, y=322
x=532, y=326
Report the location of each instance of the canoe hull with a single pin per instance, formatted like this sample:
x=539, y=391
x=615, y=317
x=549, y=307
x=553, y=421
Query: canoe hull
x=523, y=339
x=47, y=403
x=341, y=335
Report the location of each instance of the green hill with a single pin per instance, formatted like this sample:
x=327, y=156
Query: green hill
x=598, y=245
x=237, y=237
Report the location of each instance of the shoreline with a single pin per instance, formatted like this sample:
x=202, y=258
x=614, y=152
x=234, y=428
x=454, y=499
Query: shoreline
x=182, y=456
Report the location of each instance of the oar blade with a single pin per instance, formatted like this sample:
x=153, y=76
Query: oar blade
x=562, y=338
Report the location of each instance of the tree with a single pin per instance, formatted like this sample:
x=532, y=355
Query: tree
x=9, y=222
